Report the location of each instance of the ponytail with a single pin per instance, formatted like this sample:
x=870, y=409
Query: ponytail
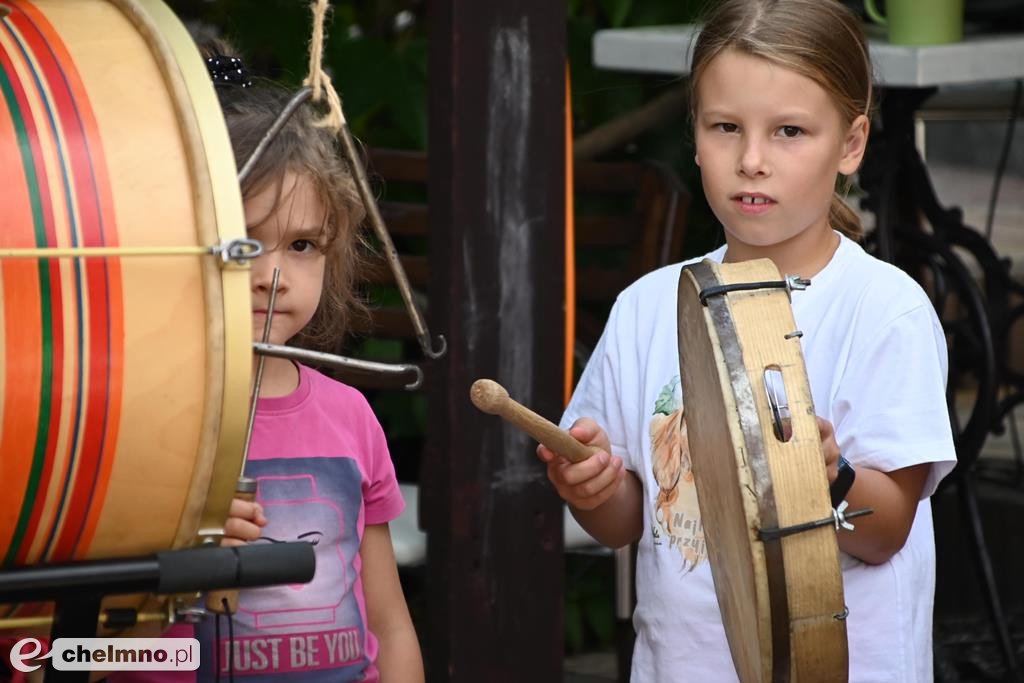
x=844, y=219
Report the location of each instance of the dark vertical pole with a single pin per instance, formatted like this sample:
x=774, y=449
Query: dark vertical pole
x=497, y=203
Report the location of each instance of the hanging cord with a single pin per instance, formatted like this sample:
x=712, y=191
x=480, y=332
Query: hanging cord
x=217, y=666
x=1003, y=158
x=231, y=639
x=318, y=79
x=216, y=647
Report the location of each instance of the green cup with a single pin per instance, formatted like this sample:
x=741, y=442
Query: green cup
x=920, y=22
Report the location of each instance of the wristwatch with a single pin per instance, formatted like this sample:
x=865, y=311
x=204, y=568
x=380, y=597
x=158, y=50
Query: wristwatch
x=845, y=475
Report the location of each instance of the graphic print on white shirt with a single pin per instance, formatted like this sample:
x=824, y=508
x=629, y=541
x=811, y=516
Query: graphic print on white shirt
x=676, y=514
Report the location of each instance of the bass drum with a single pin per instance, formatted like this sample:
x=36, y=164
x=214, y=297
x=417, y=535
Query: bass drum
x=124, y=378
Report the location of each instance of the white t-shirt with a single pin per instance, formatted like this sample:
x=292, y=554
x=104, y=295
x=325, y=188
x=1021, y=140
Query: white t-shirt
x=876, y=361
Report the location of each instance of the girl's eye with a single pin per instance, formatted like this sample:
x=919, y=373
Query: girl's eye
x=303, y=246
x=791, y=131
x=727, y=127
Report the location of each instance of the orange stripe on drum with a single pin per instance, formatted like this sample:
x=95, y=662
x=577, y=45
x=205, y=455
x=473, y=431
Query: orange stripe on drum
x=25, y=386
x=20, y=343
x=39, y=129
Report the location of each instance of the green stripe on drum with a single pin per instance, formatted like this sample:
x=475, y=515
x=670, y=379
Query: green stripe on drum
x=43, y=421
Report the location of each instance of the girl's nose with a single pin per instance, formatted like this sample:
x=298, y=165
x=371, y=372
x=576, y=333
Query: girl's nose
x=262, y=275
x=752, y=162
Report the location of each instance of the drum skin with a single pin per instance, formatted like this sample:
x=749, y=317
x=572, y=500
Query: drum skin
x=781, y=600
x=124, y=380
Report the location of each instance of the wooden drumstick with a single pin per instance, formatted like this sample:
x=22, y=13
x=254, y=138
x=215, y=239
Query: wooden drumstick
x=491, y=397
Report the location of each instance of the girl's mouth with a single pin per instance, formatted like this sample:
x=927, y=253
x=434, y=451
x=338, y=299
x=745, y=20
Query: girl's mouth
x=753, y=204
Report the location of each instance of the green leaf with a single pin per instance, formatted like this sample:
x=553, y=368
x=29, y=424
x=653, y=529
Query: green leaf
x=667, y=402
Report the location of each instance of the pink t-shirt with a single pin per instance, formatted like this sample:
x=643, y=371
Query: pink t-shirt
x=323, y=473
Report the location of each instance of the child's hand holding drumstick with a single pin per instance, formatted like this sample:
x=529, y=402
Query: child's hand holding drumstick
x=583, y=481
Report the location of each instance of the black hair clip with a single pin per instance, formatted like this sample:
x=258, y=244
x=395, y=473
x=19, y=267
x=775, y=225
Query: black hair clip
x=227, y=71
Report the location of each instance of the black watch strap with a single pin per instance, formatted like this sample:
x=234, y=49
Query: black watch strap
x=844, y=480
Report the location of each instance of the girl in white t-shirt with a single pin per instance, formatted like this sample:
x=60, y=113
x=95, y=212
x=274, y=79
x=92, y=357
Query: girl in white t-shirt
x=782, y=94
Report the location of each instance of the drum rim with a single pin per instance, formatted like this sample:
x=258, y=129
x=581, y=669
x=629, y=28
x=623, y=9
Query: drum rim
x=219, y=218
x=693, y=278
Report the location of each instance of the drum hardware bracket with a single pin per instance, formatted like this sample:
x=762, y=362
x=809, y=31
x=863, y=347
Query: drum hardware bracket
x=789, y=283
x=238, y=251
x=842, y=615
x=838, y=519
x=795, y=334
x=343, y=362
x=190, y=614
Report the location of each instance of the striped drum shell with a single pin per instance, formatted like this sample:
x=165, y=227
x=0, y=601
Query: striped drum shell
x=123, y=379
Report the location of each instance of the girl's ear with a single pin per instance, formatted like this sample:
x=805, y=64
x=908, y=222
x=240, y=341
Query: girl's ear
x=854, y=145
x=696, y=159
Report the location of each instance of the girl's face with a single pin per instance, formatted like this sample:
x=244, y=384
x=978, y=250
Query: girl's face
x=770, y=143
x=290, y=224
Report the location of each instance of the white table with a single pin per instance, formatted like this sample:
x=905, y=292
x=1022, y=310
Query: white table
x=667, y=50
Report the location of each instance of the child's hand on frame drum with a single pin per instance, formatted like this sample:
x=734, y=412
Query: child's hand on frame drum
x=588, y=484
x=829, y=447
x=245, y=521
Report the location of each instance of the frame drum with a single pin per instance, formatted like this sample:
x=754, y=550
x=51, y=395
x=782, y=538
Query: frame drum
x=124, y=378
x=758, y=468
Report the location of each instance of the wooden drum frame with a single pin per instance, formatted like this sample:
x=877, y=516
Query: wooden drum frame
x=780, y=590
x=125, y=334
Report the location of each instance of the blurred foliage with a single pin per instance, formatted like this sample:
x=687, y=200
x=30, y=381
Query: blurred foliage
x=376, y=53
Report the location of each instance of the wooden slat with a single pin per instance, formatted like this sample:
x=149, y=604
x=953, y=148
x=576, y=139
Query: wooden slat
x=416, y=269
x=614, y=177
x=605, y=231
x=399, y=165
x=405, y=218
x=389, y=322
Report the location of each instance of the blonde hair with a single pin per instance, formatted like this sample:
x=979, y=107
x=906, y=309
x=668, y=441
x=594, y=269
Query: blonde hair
x=819, y=39
x=312, y=152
